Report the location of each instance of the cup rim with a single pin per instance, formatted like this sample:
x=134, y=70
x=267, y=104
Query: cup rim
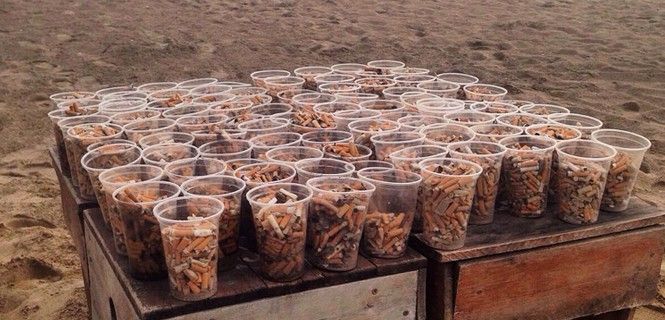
x=414, y=177
x=556, y=118
x=142, y=183
x=170, y=201
x=631, y=135
x=290, y=177
x=271, y=152
x=206, y=180
x=172, y=133
x=112, y=172
x=477, y=168
x=396, y=154
x=257, y=74
x=590, y=144
x=259, y=188
x=88, y=156
x=170, y=166
x=310, y=183
x=528, y=131
x=541, y=139
x=502, y=148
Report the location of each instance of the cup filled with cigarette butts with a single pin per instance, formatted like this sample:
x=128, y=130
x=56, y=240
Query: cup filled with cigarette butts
x=190, y=230
x=582, y=174
x=135, y=202
x=391, y=211
x=312, y=168
x=336, y=220
x=448, y=189
x=279, y=212
x=623, y=171
x=526, y=174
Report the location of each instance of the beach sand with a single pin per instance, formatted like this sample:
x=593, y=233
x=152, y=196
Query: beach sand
x=602, y=58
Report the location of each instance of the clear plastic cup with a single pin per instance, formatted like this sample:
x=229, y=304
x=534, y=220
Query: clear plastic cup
x=56, y=116
x=193, y=109
x=585, y=124
x=227, y=149
x=182, y=170
x=447, y=133
x=232, y=108
x=190, y=234
x=525, y=174
x=441, y=88
x=307, y=101
x=333, y=78
x=335, y=107
x=229, y=190
x=135, y=203
x=79, y=107
x=271, y=109
x=257, y=174
x=219, y=97
x=218, y=132
x=111, y=180
x=312, y=168
x=543, y=110
x=336, y=218
x=347, y=151
x=266, y=142
x=391, y=211
x=417, y=122
x=67, y=159
x=279, y=213
x=348, y=68
x=382, y=105
x=375, y=85
x=484, y=92
x=140, y=128
x=166, y=138
x=193, y=83
x=385, y=66
x=624, y=168
x=410, y=99
x=263, y=126
x=553, y=130
x=370, y=165
x=469, y=118
x=235, y=121
x=81, y=136
x=395, y=93
x=132, y=94
x=460, y=79
x=207, y=89
x=156, y=86
x=124, y=118
x=364, y=129
x=102, y=158
x=101, y=94
x=339, y=87
x=234, y=164
x=169, y=98
x=439, y=107
x=396, y=115
x=291, y=155
x=582, y=173
x=413, y=80
x=259, y=77
x=389, y=142
x=278, y=84
x=521, y=119
x=308, y=121
x=162, y=154
x=495, y=132
x=488, y=156
x=286, y=96
x=60, y=97
x=355, y=97
x=495, y=108
x=409, y=71
x=195, y=123
x=234, y=84
x=344, y=118
x=107, y=142
x=309, y=73
x=447, y=193
x=319, y=139
x=253, y=94
x=109, y=108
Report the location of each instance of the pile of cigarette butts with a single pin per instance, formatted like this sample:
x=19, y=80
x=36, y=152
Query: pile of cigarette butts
x=323, y=162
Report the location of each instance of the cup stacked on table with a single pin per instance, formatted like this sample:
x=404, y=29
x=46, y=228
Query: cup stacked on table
x=322, y=162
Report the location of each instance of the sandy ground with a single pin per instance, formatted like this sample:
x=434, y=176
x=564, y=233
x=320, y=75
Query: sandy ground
x=603, y=58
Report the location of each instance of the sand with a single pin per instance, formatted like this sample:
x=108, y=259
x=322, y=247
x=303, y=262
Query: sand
x=605, y=59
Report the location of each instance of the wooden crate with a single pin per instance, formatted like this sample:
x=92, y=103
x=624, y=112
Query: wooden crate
x=376, y=289
x=546, y=269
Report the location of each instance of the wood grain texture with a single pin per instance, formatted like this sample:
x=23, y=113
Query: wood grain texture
x=565, y=281
x=509, y=233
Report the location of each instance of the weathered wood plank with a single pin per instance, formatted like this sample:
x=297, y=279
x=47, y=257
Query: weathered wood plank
x=564, y=281
x=508, y=233
x=409, y=261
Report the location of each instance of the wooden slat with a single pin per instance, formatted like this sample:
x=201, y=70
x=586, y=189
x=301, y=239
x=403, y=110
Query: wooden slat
x=509, y=233
x=564, y=281
x=410, y=260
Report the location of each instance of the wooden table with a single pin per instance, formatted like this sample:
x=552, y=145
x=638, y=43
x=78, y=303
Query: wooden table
x=544, y=268
x=376, y=289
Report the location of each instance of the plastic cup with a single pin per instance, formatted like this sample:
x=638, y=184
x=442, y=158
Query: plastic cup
x=281, y=83
x=447, y=133
x=227, y=149
x=162, y=154
x=307, y=121
x=488, y=156
x=271, y=109
x=195, y=123
x=382, y=106
x=441, y=88
x=389, y=142
x=286, y=96
x=190, y=234
x=333, y=78
x=112, y=107
x=319, y=139
x=484, y=92
x=409, y=71
x=259, y=77
x=166, y=138
x=207, y=89
x=395, y=93
x=391, y=211
x=234, y=84
x=370, y=164
x=263, y=126
x=193, y=109
x=156, y=86
x=279, y=213
x=385, y=66
x=140, y=128
x=60, y=97
x=624, y=168
x=182, y=170
x=79, y=107
x=229, y=191
x=266, y=142
x=585, y=124
x=307, y=101
x=107, y=142
x=197, y=82
x=544, y=110
x=495, y=108
x=363, y=130
x=526, y=174
x=375, y=85
x=218, y=97
x=417, y=122
x=336, y=218
x=447, y=192
x=355, y=97
x=124, y=118
x=582, y=174
x=234, y=164
x=347, y=151
x=495, y=132
x=339, y=87
x=135, y=203
x=344, y=118
x=460, y=79
x=469, y=118
x=235, y=108
x=553, y=130
x=348, y=68
x=169, y=98
x=103, y=93
x=131, y=94
x=218, y=132
x=410, y=99
x=335, y=107
x=309, y=73
x=81, y=136
x=106, y=157
x=439, y=107
x=291, y=155
x=521, y=119
x=312, y=168
x=413, y=80
x=56, y=116
x=67, y=159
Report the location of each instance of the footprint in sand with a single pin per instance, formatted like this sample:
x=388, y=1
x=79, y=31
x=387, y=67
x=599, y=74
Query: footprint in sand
x=25, y=269
x=20, y=221
x=10, y=301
